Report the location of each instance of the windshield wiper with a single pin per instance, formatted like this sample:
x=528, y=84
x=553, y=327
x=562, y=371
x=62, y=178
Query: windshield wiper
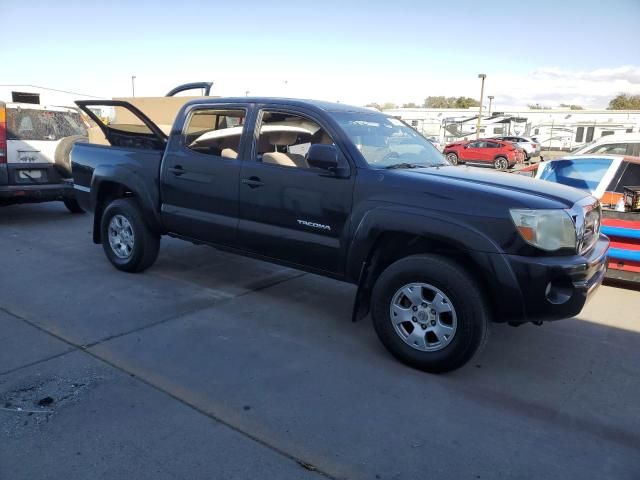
x=402, y=165
x=414, y=165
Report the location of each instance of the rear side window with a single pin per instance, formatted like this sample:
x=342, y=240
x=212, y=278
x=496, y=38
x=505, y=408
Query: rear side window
x=32, y=124
x=215, y=132
x=628, y=176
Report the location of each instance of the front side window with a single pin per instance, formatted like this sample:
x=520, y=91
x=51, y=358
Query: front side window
x=579, y=134
x=215, y=132
x=585, y=174
x=385, y=142
x=285, y=138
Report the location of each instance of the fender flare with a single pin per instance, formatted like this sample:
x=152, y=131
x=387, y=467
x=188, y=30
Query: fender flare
x=135, y=185
x=429, y=224
x=414, y=221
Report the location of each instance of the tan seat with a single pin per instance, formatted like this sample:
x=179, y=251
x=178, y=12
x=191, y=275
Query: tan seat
x=278, y=158
x=229, y=153
x=284, y=139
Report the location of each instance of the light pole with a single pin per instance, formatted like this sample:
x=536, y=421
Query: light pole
x=133, y=85
x=481, y=76
x=490, y=97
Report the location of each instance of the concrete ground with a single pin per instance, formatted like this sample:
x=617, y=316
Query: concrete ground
x=215, y=366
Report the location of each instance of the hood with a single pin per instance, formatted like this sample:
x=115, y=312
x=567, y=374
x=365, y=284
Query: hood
x=485, y=184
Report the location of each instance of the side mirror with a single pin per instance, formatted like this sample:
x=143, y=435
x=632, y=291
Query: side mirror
x=466, y=146
x=327, y=157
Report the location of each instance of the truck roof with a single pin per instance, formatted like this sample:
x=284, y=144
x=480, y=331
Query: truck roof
x=319, y=104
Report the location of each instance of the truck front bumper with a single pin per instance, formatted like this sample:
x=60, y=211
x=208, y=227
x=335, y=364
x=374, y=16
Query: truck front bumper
x=558, y=287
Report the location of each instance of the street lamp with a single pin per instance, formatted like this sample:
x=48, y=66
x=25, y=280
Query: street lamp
x=133, y=85
x=490, y=97
x=481, y=76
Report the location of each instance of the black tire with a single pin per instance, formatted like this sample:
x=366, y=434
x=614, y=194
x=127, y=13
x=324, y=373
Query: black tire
x=62, y=155
x=453, y=158
x=500, y=163
x=72, y=205
x=146, y=243
x=465, y=297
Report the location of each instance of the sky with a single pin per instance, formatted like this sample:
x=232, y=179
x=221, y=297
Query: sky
x=548, y=52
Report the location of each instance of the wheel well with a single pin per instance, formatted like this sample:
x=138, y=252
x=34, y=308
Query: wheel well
x=393, y=246
x=108, y=192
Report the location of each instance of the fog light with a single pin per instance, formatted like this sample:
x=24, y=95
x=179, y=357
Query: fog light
x=559, y=291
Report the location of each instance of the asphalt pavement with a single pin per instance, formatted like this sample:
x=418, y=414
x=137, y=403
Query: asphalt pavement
x=210, y=365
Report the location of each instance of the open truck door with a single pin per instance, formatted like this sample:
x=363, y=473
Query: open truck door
x=123, y=125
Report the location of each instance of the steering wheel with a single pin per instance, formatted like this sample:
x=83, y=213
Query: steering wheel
x=390, y=156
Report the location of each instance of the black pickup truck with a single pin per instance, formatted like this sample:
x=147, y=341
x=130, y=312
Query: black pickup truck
x=437, y=251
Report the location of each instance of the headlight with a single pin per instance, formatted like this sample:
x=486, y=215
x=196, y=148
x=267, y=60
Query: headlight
x=546, y=229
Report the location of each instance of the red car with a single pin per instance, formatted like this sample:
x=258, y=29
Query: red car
x=499, y=153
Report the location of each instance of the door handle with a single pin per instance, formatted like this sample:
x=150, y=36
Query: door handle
x=177, y=170
x=252, y=182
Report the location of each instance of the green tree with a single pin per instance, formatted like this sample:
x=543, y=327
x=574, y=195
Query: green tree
x=374, y=105
x=466, y=102
x=388, y=106
x=571, y=107
x=450, y=102
x=436, y=102
x=537, y=106
x=625, y=101
x=409, y=105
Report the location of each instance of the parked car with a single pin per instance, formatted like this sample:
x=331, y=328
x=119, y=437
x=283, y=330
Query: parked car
x=531, y=147
x=620, y=144
x=498, y=153
x=437, y=251
x=612, y=179
x=35, y=142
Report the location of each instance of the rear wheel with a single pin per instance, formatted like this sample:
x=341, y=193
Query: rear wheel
x=72, y=205
x=453, y=158
x=501, y=163
x=429, y=313
x=128, y=242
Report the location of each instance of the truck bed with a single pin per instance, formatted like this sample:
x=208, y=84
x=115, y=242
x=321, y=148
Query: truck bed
x=136, y=169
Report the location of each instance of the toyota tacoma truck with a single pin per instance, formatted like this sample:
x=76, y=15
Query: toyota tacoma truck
x=437, y=251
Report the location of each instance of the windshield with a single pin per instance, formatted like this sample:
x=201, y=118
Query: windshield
x=386, y=142
x=32, y=124
x=585, y=174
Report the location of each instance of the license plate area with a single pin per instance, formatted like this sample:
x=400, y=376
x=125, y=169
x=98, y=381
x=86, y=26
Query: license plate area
x=26, y=177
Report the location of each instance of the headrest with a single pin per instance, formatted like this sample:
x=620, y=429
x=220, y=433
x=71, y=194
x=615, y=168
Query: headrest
x=325, y=138
x=282, y=138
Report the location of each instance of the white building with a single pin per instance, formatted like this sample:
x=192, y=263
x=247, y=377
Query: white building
x=557, y=129
x=40, y=95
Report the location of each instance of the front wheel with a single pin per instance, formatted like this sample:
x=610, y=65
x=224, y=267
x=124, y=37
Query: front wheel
x=453, y=158
x=501, y=163
x=128, y=242
x=429, y=313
